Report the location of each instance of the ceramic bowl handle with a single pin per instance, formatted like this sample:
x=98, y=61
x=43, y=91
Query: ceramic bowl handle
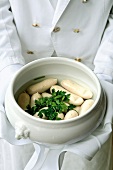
x=21, y=131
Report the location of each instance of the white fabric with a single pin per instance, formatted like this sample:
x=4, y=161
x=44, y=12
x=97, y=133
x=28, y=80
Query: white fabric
x=54, y=3
x=101, y=161
x=103, y=66
x=105, y=77
x=14, y=157
x=18, y=156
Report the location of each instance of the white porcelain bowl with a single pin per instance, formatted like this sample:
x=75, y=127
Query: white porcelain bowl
x=47, y=131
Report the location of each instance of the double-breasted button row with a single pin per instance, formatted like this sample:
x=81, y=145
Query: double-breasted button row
x=76, y=59
x=57, y=29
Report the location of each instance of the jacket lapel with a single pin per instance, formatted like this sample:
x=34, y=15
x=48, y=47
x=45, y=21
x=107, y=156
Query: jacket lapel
x=61, y=6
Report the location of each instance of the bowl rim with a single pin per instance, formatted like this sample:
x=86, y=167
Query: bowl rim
x=52, y=60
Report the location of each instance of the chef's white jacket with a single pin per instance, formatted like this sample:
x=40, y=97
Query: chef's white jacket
x=74, y=29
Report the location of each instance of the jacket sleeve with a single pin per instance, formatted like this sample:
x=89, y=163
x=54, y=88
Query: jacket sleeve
x=10, y=47
x=5, y=77
x=104, y=58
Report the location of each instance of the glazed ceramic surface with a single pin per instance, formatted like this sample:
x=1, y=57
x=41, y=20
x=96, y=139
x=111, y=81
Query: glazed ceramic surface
x=47, y=131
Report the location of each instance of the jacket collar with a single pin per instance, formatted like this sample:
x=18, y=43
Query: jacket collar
x=61, y=6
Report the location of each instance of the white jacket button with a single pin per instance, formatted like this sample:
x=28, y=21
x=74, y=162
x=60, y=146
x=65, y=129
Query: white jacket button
x=56, y=29
x=78, y=59
x=30, y=52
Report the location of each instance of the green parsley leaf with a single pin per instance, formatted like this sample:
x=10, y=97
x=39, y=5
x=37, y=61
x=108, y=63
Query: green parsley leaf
x=56, y=104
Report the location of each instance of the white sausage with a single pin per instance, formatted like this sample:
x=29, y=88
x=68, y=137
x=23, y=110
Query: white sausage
x=77, y=108
x=70, y=114
x=45, y=94
x=77, y=89
x=74, y=99
x=42, y=86
x=34, y=97
x=85, y=106
x=43, y=117
x=23, y=100
x=60, y=115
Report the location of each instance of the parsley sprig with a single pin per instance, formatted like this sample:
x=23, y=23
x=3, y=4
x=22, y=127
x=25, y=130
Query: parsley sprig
x=55, y=104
